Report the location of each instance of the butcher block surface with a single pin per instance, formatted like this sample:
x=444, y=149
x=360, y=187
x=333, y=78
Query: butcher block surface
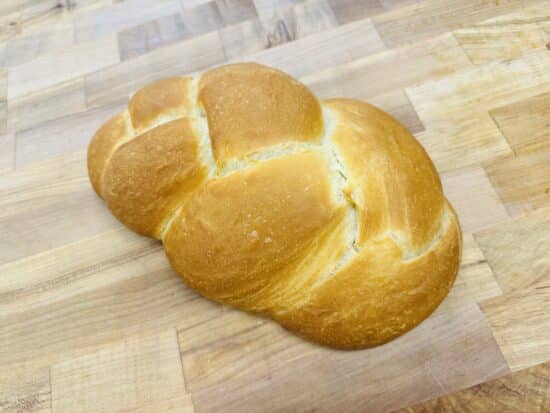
x=92, y=318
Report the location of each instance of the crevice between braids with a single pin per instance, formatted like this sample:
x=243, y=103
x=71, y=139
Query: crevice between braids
x=340, y=177
x=204, y=148
x=266, y=154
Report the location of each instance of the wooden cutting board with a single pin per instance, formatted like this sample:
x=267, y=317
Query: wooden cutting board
x=92, y=318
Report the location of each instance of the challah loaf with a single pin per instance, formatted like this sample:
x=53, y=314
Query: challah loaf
x=328, y=217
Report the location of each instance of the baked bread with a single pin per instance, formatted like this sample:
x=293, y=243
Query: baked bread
x=327, y=217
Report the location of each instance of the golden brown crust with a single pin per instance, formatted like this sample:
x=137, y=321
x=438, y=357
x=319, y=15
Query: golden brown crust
x=379, y=295
x=395, y=184
x=333, y=222
x=250, y=107
x=112, y=133
x=148, y=176
x=171, y=97
x=237, y=236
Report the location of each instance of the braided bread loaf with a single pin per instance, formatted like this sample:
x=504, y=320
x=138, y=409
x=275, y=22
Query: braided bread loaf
x=330, y=218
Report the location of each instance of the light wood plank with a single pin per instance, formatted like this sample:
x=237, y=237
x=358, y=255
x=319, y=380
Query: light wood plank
x=524, y=391
x=332, y=47
x=521, y=324
x=141, y=39
x=24, y=49
x=49, y=205
x=7, y=153
x=313, y=16
x=25, y=389
x=236, y=11
x=389, y=70
x=243, y=38
x=397, y=104
x=138, y=375
x=10, y=6
x=489, y=86
x=267, y=6
x=190, y=3
x=522, y=180
x=201, y=19
x=41, y=15
x=427, y=18
x=414, y=367
x=107, y=21
x=459, y=146
x=110, y=84
x=54, y=102
x=3, y=118
x=525, y=123
x=517, y=251
x=507, y=36
x=474, y=199
x=52, y=69
x=3, y=47
x=61, y=135
x=454, y=110
x=233, y=346
x=77, y=7
x=3, y=84
x=76, y=268
x=285, y=24
x=10, y=25
x=351, y=10
x=475, y=279
x=137, y=293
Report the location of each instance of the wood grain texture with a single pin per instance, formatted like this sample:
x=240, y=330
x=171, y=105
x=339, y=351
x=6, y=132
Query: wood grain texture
x=507, y=36
x=517, y=250
x=235, y=11
x=27, y=48
x=139, y=294
x=54, y=102
x=92, y=317
x=142, y=374
x=523, y=391
x=390, y=69
x=454, y=110
x=49, y=70
x=202, y=18
x=524, y=123
x=475, y=278
x=3, y=85
x=3, y=117
x=62, y=135
x=322, y=371
x=105, y=21
x=285, y=24
x=429, y=18
x=48, y=205
x=518, y=254
x=475, y=200
x=336, y=46
x=523, y=179
x=141, y=39
x=110, y=84
x=25, y=389
x=397, y=104
x=243, y=38
x=350, y=10
x=7, y=153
